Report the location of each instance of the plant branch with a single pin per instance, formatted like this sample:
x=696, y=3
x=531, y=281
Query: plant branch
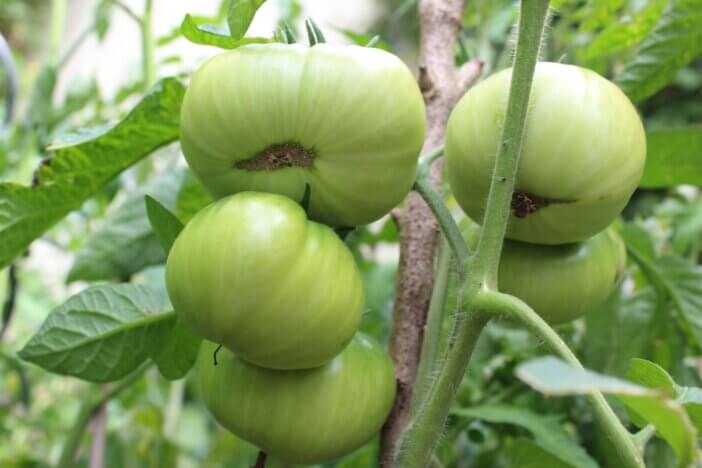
x=443, y=216
x=87, y=410
x=432, y=332
x=73, y=48
x=496, y=303
x=97, y=447
x=129, y=12
x=440, y=23
x=58, y=17
x=419, y=441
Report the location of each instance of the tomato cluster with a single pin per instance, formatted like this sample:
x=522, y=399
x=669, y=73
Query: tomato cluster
x=261, y=126
x=583, y=155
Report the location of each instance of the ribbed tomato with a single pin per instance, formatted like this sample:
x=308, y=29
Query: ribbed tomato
x=347, y=120
x=252, y=273
x=305, y=416
x=583, y=155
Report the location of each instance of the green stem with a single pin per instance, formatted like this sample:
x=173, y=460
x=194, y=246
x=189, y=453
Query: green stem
x=497, y=212
x=85, y=34
x=58, y=18
x=431, y=344
x=503, y=304
x=642, y=437
x=173, y=409
x=89, y=407
x=426, y=161
x=147, y=46
x=418, y=442
x=453, y=235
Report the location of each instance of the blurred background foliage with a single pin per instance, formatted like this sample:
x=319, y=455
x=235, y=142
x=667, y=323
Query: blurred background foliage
x=656, y=314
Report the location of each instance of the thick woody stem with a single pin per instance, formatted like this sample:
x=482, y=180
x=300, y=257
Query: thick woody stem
x=442, y=85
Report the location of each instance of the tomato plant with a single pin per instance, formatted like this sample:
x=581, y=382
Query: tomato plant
x=306, y=416
x=583, y=156
x=245, y=242
x=272, y=118
x=210, y=201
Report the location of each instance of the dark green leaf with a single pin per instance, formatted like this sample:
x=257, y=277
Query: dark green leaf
x=672, y=43
x=240, y=15
x=547, y=431
x=627, y=32
x=674, y=157
x=125, y=243
x=173, y=348
x=77, y=171
x=101, y=334
x=165, y=224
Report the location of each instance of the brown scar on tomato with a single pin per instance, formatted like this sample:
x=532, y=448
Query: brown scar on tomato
x=278, y=156
x=523, y=203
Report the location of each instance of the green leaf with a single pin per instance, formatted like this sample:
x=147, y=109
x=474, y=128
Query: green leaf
x=173, y=348
x=637, y=238
x=165, y=224
x=651, y=375
x=671, y=44
x=523, y=453
x=366, y=40
x=78, y=171
x=205, y=34
x=671, y=422
x=553, y=377
x=101, y=334
x=674, y=157
x=599, y=13
x=680, y=283
x=240, y=15
x=125, y=243
x=549, y=434
x=627, y=32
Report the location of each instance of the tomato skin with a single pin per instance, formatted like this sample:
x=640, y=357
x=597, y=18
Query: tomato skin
x=584, y=150
x=563, y=282
x=306, y=416
x=252, y=273
x=358, y=109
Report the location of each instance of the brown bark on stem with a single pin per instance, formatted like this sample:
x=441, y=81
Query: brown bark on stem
x=442, y=85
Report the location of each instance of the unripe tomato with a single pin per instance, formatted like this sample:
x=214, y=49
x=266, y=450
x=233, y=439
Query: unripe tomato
x=347, y=120
x=250, y=272
x=306, y=416
x=583, y=155
x=561, y=282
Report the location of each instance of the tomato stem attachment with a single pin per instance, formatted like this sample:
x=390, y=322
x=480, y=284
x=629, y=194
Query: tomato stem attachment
x=278, y=156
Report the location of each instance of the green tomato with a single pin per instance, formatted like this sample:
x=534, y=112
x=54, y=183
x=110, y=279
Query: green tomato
x=306, y=416
x=347, y=120
x=252, y=273
x=561, y=282
x=583, y=154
